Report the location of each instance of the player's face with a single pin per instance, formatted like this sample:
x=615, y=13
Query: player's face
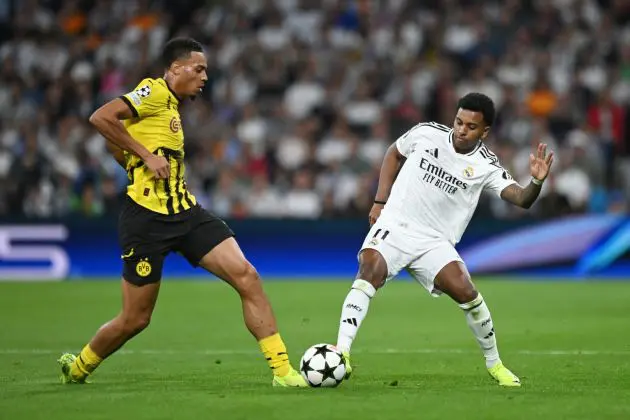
x=469, y=127
x=190, y=73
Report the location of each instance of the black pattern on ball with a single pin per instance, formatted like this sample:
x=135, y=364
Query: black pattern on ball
x=328, y=372
x=323, y=350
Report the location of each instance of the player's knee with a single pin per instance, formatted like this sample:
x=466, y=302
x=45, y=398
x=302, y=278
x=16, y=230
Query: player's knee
x=132, y=325
x=469, y=294
x=248, y=274
x=373, y=274
x=375, y=281
x=372, y=268
x=464, y=290
x=247, y=280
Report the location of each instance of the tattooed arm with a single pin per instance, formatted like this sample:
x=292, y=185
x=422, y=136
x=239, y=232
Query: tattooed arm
x=519, y=196
x=539, y=166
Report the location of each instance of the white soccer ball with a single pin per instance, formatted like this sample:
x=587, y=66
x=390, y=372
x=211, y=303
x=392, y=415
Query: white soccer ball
x=323, y=366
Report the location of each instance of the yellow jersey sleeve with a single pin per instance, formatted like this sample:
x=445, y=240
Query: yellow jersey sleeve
x=146, y=99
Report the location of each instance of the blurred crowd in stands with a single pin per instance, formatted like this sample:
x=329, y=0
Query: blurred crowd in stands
x=304, y=96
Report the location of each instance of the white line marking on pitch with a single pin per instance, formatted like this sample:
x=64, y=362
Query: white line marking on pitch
x=217, y=352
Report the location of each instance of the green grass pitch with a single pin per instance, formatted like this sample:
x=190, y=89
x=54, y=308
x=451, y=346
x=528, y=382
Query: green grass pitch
x=415, y=358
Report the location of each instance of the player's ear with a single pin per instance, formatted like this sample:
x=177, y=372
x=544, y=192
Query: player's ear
x=176, y=68
x=486, y=131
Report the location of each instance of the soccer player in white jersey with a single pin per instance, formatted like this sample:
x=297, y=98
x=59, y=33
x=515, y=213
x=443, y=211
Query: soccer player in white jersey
x=430, y=182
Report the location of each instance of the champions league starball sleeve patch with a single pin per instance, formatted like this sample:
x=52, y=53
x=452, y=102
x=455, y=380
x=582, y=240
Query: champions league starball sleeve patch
x=143, y=91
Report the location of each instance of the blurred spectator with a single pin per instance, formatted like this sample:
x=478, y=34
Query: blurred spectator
x=302, y=201
x=541, y=100
x=305, y=96
x=607, y=121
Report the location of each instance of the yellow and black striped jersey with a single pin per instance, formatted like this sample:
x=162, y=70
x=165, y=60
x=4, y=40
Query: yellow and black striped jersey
x=156, y=124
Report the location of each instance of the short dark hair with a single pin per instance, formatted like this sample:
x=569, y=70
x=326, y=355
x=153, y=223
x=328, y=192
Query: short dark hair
x=178, y=48
x=478, y=102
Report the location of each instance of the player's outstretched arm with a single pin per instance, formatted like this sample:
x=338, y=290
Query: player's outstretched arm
x=107, y=118
x=539, y=166
x=392, y=163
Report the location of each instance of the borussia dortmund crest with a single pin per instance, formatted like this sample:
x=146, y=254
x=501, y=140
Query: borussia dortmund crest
x=143, y=268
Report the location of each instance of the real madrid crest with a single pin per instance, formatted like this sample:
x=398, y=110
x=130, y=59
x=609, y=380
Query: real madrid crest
x=469, y=172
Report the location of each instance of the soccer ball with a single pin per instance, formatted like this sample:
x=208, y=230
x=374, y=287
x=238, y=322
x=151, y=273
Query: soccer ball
x=323, y=366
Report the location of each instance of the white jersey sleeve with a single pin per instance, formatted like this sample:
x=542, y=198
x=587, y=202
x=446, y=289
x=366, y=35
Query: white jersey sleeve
x=498, y=180
x=407, y=143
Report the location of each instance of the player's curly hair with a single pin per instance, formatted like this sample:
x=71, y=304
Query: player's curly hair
x=478, y=102
x=178, y=48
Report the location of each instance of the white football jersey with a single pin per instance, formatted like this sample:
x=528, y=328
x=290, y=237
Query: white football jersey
x=437, y=189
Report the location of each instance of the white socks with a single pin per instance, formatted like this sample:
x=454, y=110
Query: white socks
x=480, y=322
x=354, y=310
x=357, y=303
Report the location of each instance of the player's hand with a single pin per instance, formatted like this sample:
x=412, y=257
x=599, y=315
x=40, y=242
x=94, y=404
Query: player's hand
x=159, y=166
x=540, y=164
x=375, y=212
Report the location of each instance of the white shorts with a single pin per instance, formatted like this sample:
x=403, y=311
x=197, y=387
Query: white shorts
x=423, y=258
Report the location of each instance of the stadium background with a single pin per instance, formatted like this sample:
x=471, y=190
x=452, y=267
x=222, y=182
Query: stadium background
x=303, y=98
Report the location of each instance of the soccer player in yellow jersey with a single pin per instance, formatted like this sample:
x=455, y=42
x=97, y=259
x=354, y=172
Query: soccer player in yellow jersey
x=160, y=215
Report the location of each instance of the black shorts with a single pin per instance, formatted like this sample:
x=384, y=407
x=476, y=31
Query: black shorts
x=146, y=237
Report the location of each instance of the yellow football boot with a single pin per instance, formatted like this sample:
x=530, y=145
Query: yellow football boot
x=504, y=376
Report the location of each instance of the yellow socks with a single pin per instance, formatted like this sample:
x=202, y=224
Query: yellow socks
x=276, y=354
x=272, y=347
x=85, y=363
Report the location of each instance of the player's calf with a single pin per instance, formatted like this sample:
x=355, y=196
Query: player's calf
x=227, y=261
x=353, y=312
x=480, y=323
x=138, y=304
x=119, y=330
x=257, y=311
x=454, y=280
x=371, y=277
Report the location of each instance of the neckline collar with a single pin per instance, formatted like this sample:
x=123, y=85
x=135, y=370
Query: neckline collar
x=472, y=152
x=170, y=90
